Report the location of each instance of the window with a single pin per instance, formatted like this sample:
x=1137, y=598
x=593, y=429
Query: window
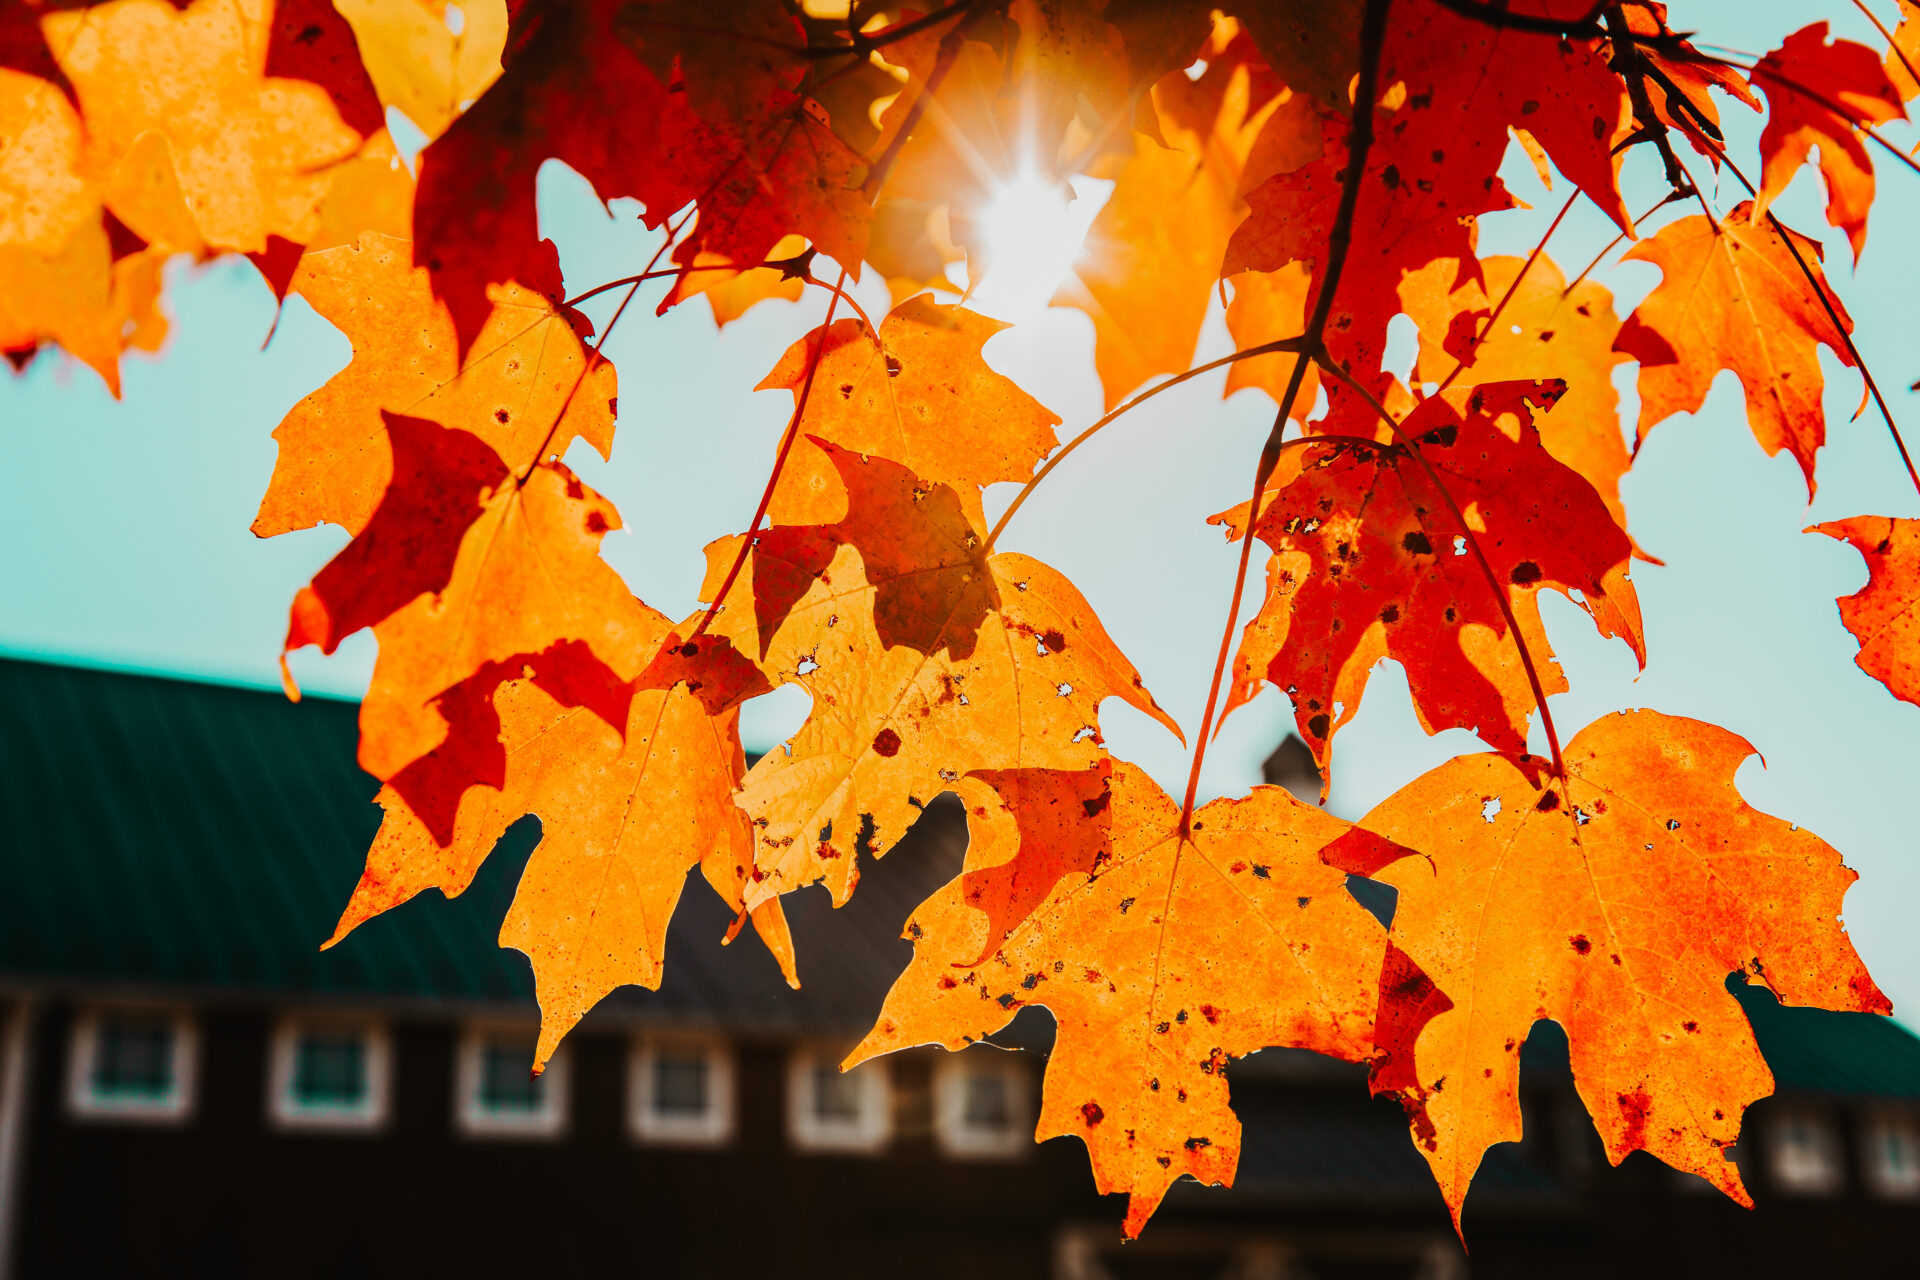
x=832, y=1110
x=1890, y=1154
x=329, y=1074
x=982, y=1105
x=495, y=1092
x=132, y=1064
x=680, y=1092
x=1804, y=1152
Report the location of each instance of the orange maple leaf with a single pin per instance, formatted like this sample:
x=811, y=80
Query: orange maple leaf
x=1733, y=297
x=1370, y=561
x=1081, y=894
x=1543, y=326
x=1153, y=253
x=632, y=782
x=1616, y=903
x=194, y=145
x=922, y=395
x=465, y=564
x=526, y=367
x=925, y=659
x=63, y=277
x=1884, y=615
x=1820, y=95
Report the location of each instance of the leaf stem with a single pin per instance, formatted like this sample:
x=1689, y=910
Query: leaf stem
x=1480, y=556
x=1119, y=411
x=1466, y=357
x=1373, y=39
x=779, y=464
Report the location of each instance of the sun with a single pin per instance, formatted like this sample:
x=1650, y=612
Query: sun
x=1035, y=231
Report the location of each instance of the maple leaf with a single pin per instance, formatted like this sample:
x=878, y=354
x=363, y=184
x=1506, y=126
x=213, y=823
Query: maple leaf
x=1691, y=74
x=1161, y=955
x=527, y=372
x=1732, y=297
x=312, y=41
x=194, y=146
x=1615, y=902
x=732, y=293
x=922, y=395
x=1881, y=615
x=1904, y=52
x=760, y=169
x=62, y=277
x=1441, y=133
x=1544, y=325
x=419, y=63
x=925, y=659
x=632, y=782
x=1153, y=252
x=1840, y=75
x=1371, y=561
x=464, y=564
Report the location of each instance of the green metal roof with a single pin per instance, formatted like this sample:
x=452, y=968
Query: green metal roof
x=168, y=834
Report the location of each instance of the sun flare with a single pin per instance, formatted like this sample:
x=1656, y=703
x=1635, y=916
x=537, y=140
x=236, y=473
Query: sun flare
x=1035, y=229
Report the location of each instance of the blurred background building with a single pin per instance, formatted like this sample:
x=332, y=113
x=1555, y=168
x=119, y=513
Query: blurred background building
x=189, y=1087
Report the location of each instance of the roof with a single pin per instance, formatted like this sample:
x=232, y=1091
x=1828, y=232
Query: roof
x=194, y=837
x=166, y=834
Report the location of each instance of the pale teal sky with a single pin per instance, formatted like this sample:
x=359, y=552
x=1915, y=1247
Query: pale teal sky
x=126, y=523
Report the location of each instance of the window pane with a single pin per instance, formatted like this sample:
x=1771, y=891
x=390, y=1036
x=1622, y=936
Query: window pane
x=330, y=1069
x=680, y=1084
x=506, y=1077
x=133, y=1057
x=987, y=1106
x=836, y=1096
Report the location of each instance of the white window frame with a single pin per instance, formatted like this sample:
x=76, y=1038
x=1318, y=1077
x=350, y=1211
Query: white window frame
x=868, y=1134
x=1882, y=1180
x=473, y=1118
x=173, y=1108
x=1813, y=1169
x=961, y=1141
x=645, y=1125
x=287, y=1113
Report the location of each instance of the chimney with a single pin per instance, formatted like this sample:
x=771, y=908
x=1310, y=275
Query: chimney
x=1291, y=766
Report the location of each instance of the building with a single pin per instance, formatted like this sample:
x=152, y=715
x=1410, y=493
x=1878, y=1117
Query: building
x=189, y=1087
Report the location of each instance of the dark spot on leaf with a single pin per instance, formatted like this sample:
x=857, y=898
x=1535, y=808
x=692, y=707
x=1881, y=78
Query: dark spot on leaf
x=1524, y=574
x=1092, y=1114
x=1302, y=901
x=1126, y=904
x=1690, y=1026
x=1548, y=802
x=501, y=416
x=887, y=742
x=1194, y=1144
x=1417, y=543
x=1580, y=943
x=1319, y=725
x=1260, y=869
x=1031, y=981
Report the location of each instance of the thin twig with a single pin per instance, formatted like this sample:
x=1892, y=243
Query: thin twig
x=1765, y=72
x=1893, y=46
x=1631, y=64
x=1833, y=317
x=1473, y=543
x=1466, y=358
x=861, y=43
x=1119, y=411
x=943, y=60
x=1373, y=39
x=1587, y=270
x=779, y=463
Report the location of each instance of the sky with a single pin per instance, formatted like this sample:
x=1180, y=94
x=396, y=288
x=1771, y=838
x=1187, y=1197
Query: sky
x=125, y=523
